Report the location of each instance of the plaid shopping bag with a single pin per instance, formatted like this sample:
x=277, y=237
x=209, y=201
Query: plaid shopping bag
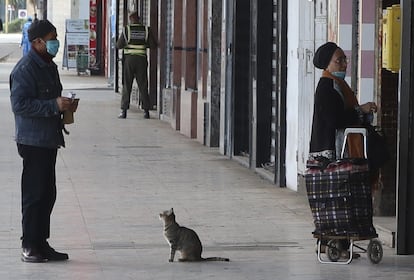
x=340, y=198
x=328, y=196
x=332, y=216
x=362, y=204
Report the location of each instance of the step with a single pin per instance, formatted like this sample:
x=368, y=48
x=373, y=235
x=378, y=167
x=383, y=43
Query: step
x=385, y=227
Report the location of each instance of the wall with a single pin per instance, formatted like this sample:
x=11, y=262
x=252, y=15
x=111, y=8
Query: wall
x=82, y=9
x=29, y=8
x=366, y=67
x=292, y=95
x=368, y=39
x=57, y=13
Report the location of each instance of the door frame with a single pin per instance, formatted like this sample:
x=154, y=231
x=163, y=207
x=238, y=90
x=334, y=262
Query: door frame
x=405, y=176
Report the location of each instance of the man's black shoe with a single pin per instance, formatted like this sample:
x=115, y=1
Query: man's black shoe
x=146, y=115
x=122, y=115
x=52, y=255
x=32, y=255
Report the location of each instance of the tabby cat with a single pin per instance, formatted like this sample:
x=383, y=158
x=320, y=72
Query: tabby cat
x=183, y=239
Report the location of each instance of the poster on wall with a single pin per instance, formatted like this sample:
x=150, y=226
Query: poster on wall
x=93, y=9
x=76, y=43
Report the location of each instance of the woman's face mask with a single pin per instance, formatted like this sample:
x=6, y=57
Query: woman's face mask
x=339, y=74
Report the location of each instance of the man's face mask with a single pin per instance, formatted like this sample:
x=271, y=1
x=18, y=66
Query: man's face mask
x=52, y=47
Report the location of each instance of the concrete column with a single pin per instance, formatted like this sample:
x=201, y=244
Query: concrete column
x=177, y=42
x=190, y=43
x=214, y=81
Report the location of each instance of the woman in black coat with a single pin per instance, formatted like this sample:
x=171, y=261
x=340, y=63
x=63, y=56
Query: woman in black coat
x=335, y=104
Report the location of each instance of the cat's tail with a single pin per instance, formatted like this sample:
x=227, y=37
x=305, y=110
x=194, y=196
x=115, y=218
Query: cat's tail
x=213, y=259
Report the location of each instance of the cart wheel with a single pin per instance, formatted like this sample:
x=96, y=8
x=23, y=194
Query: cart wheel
x=375, y=251
x=334, y=250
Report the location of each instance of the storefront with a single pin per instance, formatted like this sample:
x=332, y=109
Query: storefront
x=224, y=69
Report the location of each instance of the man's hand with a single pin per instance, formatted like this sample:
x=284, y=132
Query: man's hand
x=64, y=103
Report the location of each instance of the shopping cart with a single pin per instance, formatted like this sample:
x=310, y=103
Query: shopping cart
x=339, y=195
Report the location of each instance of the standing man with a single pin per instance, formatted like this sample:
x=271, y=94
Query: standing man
x=25, y=43
x=37, y=105
x=134, y=40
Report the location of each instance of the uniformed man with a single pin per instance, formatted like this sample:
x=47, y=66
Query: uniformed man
x=134, y=40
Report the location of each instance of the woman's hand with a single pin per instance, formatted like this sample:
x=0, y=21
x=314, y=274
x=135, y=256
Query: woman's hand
x=369, y=107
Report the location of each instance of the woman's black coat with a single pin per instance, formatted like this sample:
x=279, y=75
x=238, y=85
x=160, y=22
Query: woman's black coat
x=329, y=115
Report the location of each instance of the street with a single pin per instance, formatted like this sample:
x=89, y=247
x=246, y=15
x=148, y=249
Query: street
x=115, y=177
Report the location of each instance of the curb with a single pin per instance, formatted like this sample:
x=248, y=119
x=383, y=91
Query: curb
x=4, y=58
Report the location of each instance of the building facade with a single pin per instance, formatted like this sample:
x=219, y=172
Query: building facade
x=238, y=76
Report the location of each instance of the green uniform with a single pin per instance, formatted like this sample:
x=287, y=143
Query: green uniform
x=135, y=41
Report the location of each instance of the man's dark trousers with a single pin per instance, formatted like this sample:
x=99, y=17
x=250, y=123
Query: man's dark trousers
x=135, y=66
x=38, y=188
